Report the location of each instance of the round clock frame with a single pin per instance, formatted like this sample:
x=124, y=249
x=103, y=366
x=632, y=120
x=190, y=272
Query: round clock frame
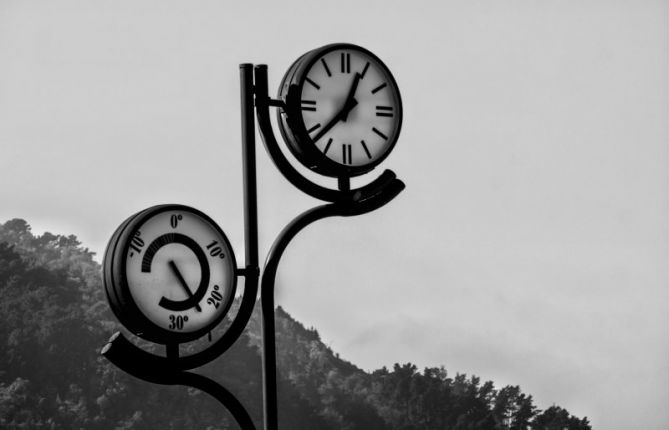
x=119, y=283
x=296, y=124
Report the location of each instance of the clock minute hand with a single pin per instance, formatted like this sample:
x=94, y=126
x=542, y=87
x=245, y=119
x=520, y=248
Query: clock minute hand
x=183, y=283
x=348, y=107
x=342, y=115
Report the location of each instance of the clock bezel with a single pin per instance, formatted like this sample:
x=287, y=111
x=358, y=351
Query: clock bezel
x=107, y=265
x=292, y=124
x=125, y=308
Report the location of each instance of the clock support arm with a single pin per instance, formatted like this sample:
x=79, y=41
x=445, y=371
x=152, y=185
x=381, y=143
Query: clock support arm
x=262, y=104
x=344, y=202
x=171, y=370
x=159, y=370
x=382, y=196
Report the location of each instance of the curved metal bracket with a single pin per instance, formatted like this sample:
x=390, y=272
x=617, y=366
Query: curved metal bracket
x=170, y=370
x=128, y=349
x=263, y=102
x=159, y=370
x=344, y=202
x=251, y=272
x=384, y=195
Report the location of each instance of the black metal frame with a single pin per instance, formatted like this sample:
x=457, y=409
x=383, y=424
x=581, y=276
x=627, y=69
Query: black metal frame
x=116, y=282
x=343, y=201
x=291, y=122
x=171, y=369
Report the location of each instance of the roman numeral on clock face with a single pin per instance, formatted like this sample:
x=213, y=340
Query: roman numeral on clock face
x=309, y=105
x=313, y=84
x=384, y=111
x=346, y=153
x=327, y=146
x=376, y=130
x=325, y=65
x=379, y=88
x=345, y=58
x=364, y=70
x=364, y=146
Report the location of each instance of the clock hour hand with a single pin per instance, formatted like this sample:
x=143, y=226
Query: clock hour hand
x=350, y=97
x=342, y=115
x=183, y=283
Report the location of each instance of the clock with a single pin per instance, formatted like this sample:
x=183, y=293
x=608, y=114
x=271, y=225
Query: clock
x=169, y=274
x=342, y=110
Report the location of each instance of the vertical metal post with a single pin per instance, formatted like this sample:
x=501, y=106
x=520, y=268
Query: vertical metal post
x=251, y=232
x=270, y=415
x=249, y=165
x=347, y=203
x=270, y=398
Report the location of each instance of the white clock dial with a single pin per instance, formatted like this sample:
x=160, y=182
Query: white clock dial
x=369, y=125
x=177, y=274
x=343, y=110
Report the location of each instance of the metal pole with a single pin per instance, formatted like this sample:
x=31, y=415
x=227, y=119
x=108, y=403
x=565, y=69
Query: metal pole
x=308, y=217
x=346, y=202
x=269, y=362
x=267, y=301
x=169, y=370
x=249, y=165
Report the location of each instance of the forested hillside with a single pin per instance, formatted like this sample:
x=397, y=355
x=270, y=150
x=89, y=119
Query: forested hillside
x=54, y=318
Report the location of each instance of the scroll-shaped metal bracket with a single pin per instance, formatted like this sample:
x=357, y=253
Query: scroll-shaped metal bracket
x=128, y=349
x=385, y=195
x=263, y=103
x=165, y=371
x=344, y=202
x=171, y=370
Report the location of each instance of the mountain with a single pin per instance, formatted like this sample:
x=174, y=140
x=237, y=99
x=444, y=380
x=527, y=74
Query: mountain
x=54, y=318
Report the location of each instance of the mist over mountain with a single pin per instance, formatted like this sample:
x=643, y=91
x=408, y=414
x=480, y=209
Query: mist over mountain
x=54, y=318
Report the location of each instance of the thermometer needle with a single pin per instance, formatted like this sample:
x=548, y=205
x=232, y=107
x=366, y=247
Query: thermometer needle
x=183, y=283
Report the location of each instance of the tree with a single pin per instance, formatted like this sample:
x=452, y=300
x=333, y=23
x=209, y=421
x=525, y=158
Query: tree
x=557, y=418
x=54, y=318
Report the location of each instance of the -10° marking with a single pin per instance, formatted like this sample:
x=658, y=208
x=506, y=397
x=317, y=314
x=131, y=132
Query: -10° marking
x=136, y=244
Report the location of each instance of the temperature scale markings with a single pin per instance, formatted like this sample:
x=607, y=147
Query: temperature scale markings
x=153, y=248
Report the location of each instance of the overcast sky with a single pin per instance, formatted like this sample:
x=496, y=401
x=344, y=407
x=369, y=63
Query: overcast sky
x=531, y=244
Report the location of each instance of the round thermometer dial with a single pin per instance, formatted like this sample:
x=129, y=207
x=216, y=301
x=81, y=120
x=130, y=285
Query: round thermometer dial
x=172, y=274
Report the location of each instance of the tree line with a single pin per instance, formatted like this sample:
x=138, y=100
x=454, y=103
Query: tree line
x=54, y=318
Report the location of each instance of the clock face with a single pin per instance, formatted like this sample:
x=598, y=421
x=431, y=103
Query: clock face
x=175, y=274
x=346, y=108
